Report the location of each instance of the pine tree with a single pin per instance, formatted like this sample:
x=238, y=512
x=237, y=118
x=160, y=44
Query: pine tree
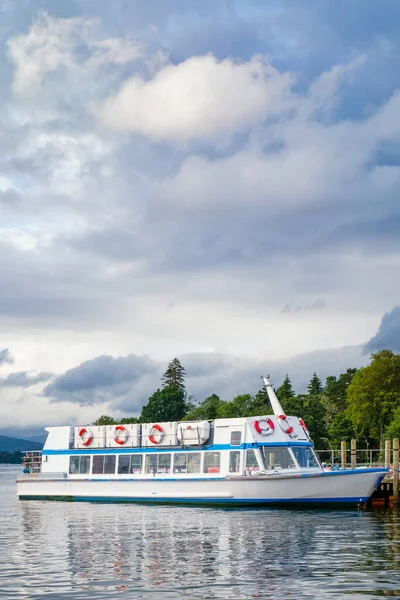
x=289, y=401
x=174, y=376
x=285, y=391
x=315, y=386
x=261, y=404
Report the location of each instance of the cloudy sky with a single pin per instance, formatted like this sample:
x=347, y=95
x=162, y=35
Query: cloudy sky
x=214, y=180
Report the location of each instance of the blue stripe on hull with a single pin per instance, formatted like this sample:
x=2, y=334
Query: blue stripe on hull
x=211, y=501
x=148, y=449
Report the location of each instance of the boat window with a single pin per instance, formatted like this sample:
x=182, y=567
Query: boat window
x=103, y=464
x=234, y=461
x=79, y=465
x=84, y=465
x=193, y=462
x=98, y=465
x=305, y=456
x=136, y=463
x=150, y=463
x=277, y=457
x=109, y=464
x=211, y=462
x=180, y=462
x=164, y=463
x=251, y=461
x=187, y=462
x=74, y=465
x=236, y=438
x=123, y=463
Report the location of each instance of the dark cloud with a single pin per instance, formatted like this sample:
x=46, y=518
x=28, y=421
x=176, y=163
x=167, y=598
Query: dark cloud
x=100, y=379
x=5, y=357
x=24, y=379
x=388, y=334
x=291, y=307
x=125, y=383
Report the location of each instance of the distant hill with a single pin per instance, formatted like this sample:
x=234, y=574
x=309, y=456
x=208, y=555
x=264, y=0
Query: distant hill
x=10, y=444
x=40, y=439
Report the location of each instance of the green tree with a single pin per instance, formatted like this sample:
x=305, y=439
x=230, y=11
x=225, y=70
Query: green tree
x=291, y=404
x=374, y=394
x=335, y=389
x=128, y=420
x=393, y=429
x=105, y=420
x=313, y=412
x=261, y=404
x=174, y=376
x=206, y=410
x=341, y=428
x=240, y=406
x=315, y=386
x=285, y=391
x=167, y=404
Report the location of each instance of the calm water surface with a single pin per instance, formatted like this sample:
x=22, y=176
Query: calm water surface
x=80, y=550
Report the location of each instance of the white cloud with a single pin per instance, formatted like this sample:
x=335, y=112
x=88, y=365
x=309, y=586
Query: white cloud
x=199, y=98
x=47, y=46
x=72, y=44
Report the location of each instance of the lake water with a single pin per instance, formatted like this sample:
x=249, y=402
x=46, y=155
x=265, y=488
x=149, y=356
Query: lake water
x=81, y=550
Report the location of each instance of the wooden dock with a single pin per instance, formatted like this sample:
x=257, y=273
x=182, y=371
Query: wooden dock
x=387, y=494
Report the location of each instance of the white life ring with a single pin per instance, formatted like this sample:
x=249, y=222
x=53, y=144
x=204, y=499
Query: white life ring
x=264, y=426
x=120, y=435
x=156, y=435
x=86, y=436
x=284, y=424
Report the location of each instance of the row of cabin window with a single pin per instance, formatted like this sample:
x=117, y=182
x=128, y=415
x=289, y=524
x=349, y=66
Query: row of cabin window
x=183, y=462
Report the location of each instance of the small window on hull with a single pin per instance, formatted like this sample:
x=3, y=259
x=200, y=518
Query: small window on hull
x=236, y=438
x=234, y=461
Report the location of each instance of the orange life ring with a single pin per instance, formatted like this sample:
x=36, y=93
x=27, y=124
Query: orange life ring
x=160, y=435
x=86, y=436
x=120, y=435
x=264, y=430
x=284, y=424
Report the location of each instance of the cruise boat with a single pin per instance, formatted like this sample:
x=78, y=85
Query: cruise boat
x=259, y=460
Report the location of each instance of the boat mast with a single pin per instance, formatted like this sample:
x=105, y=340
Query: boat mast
x=276, y=406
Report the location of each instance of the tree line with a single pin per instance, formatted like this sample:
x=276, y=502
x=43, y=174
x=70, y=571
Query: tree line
x=360, y=403
x=13, y=458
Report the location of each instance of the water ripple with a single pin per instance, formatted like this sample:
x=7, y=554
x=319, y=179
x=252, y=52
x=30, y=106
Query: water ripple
x=80, y=550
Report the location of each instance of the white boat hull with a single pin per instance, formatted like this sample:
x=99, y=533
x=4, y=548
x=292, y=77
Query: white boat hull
x=352, y=487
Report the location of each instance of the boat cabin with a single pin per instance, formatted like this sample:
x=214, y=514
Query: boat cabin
x=200, y=449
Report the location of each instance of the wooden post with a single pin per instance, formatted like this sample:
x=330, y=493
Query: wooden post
x=396, y=471
x=343, y=451
x=353, y=454
x=387, y=454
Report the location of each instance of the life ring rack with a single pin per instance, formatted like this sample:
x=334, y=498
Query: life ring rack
x=154, y=437
x=86, y=436
x=266, y=430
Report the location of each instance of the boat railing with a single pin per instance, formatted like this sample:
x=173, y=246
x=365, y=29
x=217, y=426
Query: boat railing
x=366, y=457
x=32, y=461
